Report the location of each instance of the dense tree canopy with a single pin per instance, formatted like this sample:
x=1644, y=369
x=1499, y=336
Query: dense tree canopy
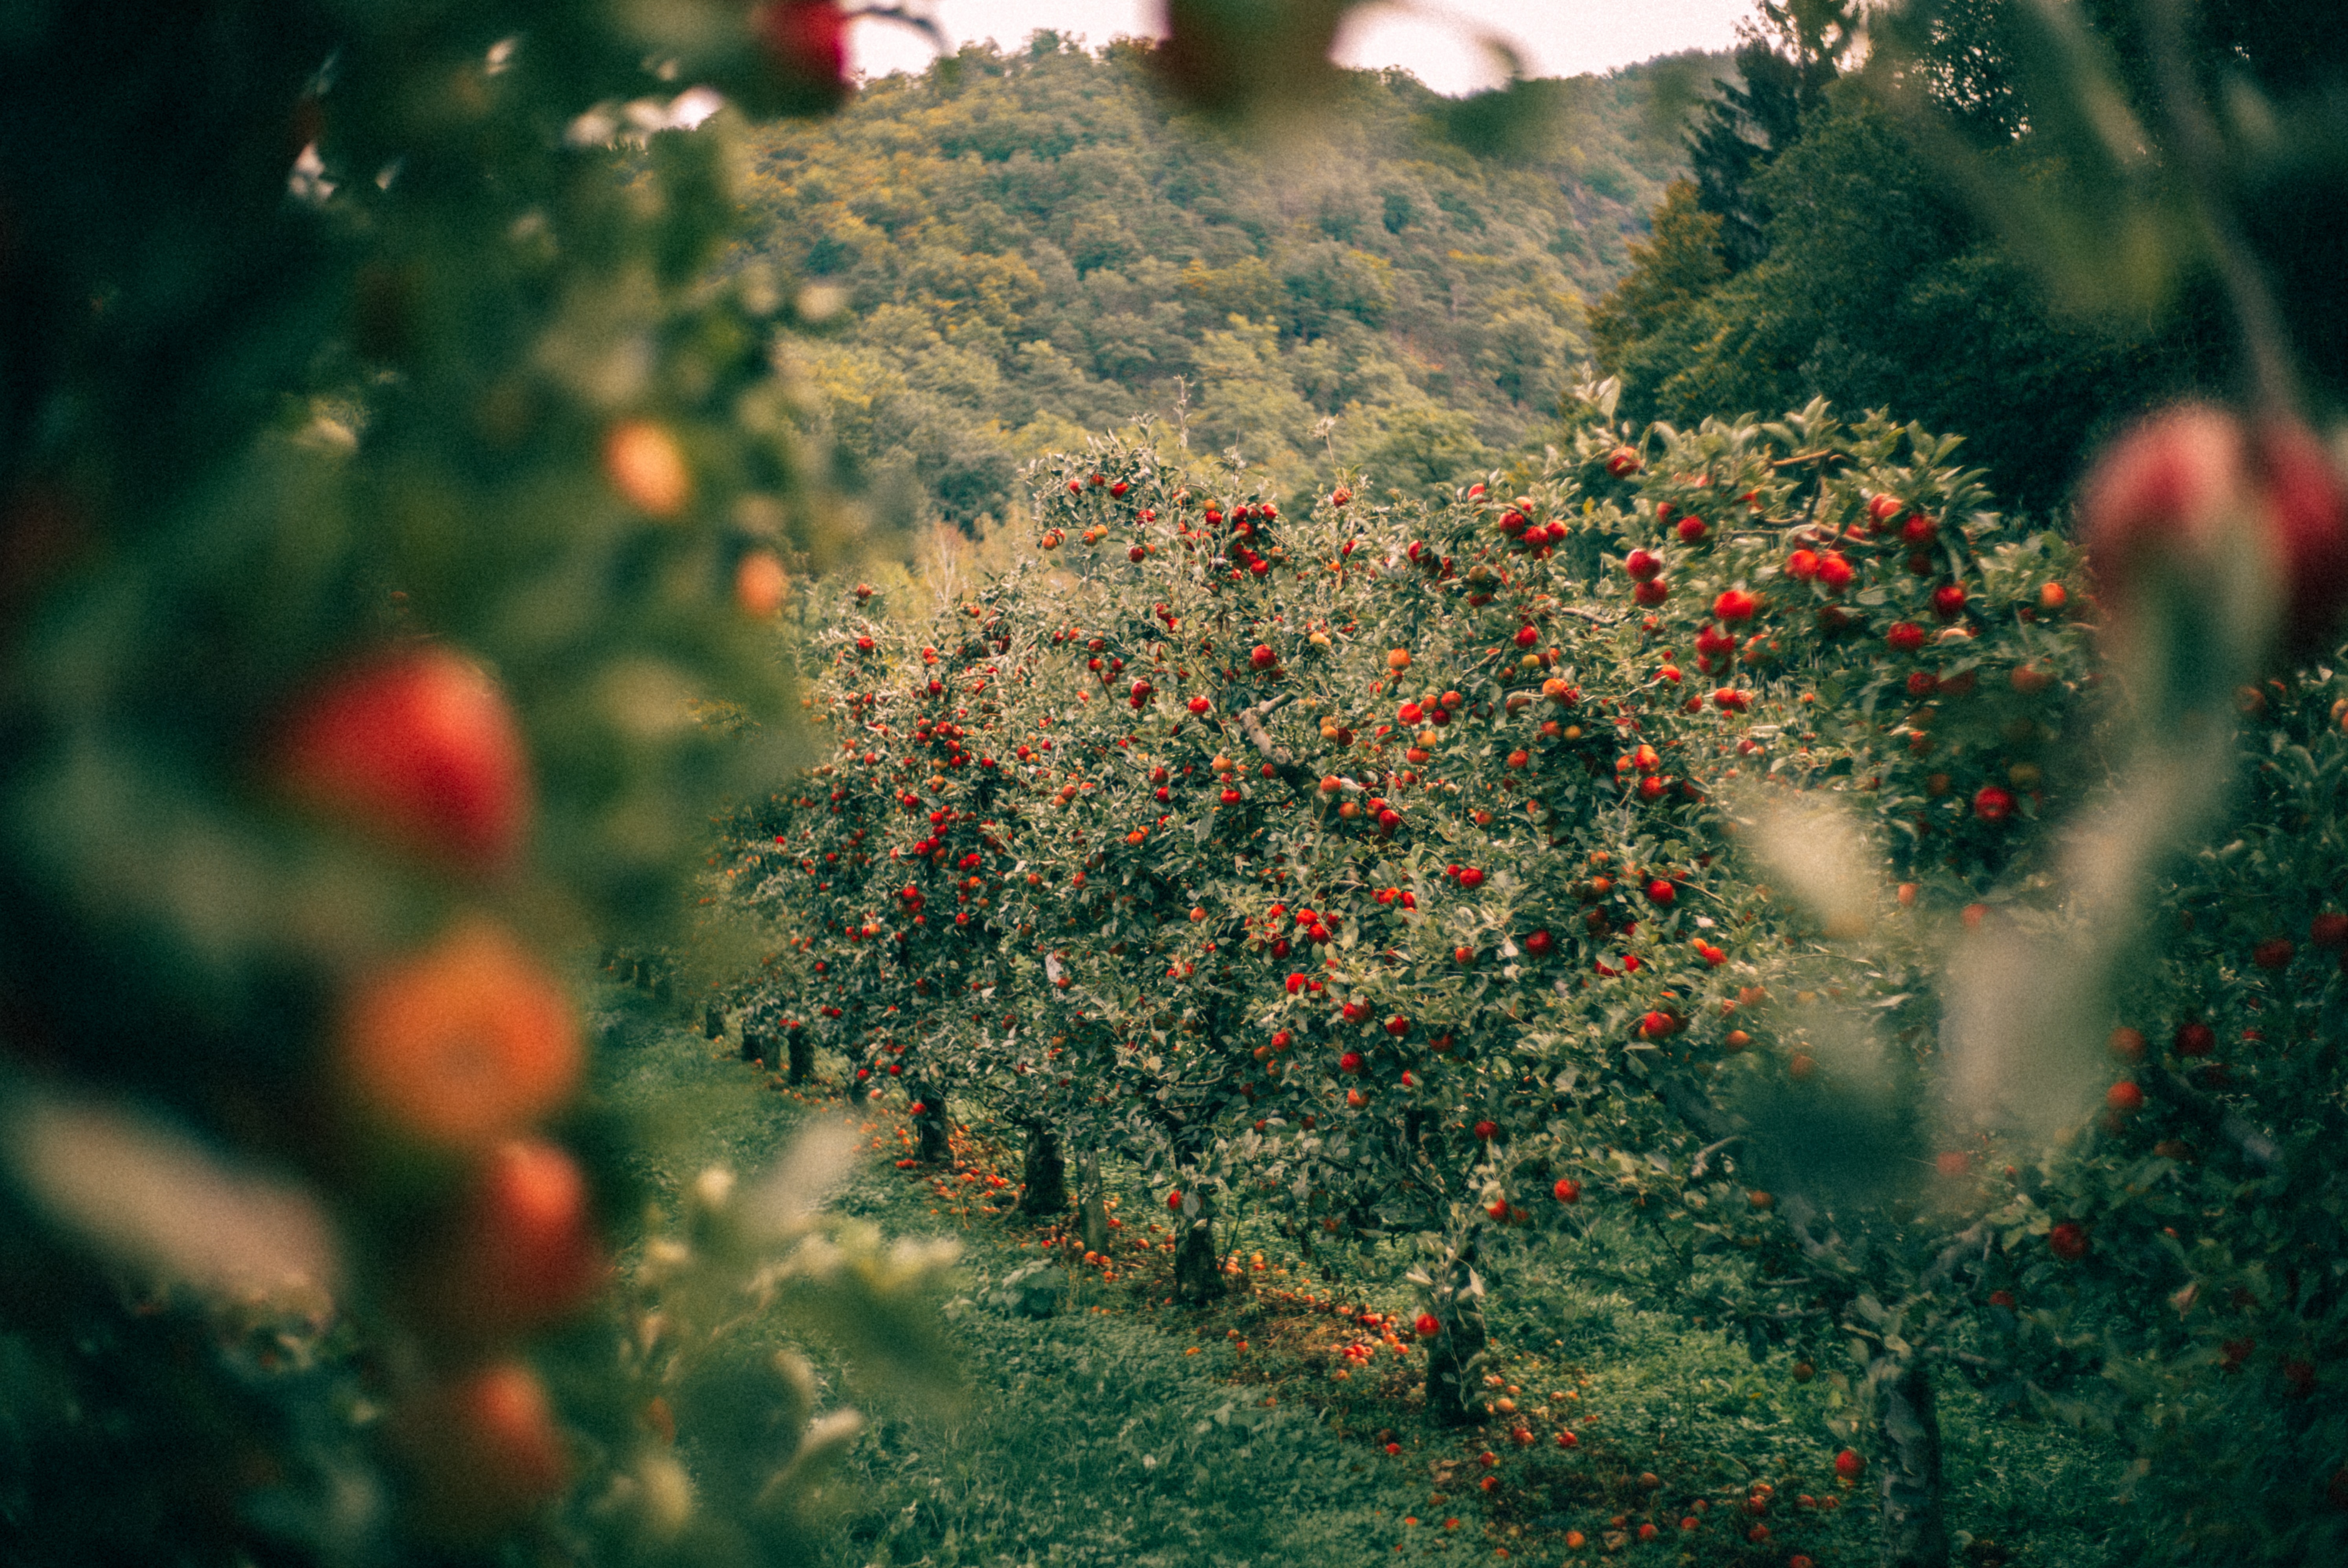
x=1871, y=247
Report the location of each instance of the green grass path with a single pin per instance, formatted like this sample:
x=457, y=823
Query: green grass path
x=1118, y=1431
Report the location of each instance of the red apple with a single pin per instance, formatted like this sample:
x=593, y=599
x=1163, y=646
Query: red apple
x=521, y=1250
x=2306, y=510
x=806, y=44
x=483, y=1448
x=2170, y=489
x=2161, y=488
x=1736, y=604
x=416, y=746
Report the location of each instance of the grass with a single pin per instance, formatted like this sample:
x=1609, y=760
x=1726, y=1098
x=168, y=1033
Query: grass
x=1121, y=1429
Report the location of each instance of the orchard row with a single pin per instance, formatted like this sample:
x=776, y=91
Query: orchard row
x=1626, y=833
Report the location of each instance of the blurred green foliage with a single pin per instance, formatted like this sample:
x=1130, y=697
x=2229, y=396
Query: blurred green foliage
x=323, y=328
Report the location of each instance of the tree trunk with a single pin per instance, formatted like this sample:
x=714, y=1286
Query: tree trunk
x=1198, y=1271
x=1044, y=1173
x=754, y=1044
x=802, y=1055
x=1092, y=1212
x=931, y=1144
x=1907, y=1434
x=1453, y=1361
x=1454, y=1357
x=713, y=1024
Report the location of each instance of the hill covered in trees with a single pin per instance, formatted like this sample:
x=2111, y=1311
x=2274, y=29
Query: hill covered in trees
x=1033, y=245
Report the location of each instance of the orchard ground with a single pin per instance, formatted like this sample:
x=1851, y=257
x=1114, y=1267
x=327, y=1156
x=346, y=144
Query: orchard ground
x=1106, y=1426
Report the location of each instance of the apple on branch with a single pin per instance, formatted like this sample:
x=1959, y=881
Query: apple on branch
x=416, y=746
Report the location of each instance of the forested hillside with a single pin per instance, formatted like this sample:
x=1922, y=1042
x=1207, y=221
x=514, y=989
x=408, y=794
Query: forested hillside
x=1884, y=237
x=1033, y=245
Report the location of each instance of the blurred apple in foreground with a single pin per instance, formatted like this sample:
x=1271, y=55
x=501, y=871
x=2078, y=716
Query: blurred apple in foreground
x=2190, y=486
x=418, y=747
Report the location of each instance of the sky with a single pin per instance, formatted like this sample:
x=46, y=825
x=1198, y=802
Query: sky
x=1433, y=38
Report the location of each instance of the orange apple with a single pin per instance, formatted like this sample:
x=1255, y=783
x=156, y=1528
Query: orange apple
x=760, y=585
x=644, y=463
x=459, y=1046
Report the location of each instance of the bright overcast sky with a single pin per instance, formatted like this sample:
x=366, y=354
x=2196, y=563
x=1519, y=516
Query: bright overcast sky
x=1434, y=40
